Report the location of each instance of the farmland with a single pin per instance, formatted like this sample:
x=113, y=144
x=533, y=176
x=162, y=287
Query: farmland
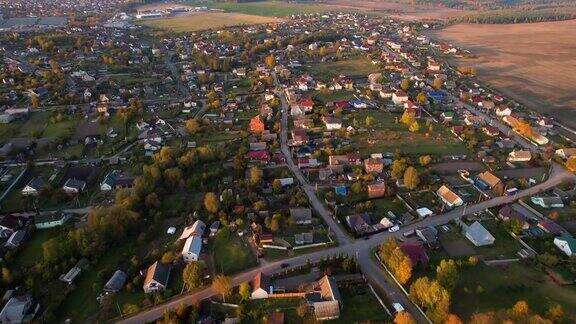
x=271, y=8
x=195, y=22
x=532, y=63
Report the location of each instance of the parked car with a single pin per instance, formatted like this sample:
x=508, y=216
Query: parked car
x=394, y=228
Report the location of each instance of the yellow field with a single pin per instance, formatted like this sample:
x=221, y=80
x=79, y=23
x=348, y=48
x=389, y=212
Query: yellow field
x=203, y=21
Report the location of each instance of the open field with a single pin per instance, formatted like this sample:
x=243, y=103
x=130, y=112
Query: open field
x=358, y=67
x=532, y=63
x=402, y=11
x=387, y=136
x=231, y=255
x=202, y=21
x=483, y=288
x=272, y=8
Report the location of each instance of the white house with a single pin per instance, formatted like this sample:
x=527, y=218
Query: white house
x=49, y=220
x=192, y=248
x=261, y=287
x=478, y=235
x=520, y=156
x=332, y=123
x=566, y=245
x=74, y=186
x=195, y=229
x=399, y=97
x=33, y=187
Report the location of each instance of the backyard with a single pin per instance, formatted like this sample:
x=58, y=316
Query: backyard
x=231, y=254
x=353, y=68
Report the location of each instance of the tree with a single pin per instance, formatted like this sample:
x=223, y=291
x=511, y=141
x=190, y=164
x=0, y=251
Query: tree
x=222, y=285
x=369, y=121
x=168, y=257
x=520, y=310
x=403, y=318
x=453, y=319
x=408, y=117
x=211, y=202
x=192, y=275
x=398, y=168
x=422, y=98
x=244, y=291
x=425, y=160
x=405, y=84
x=192, y=126
x=6, y=276
x=447, y=274
x=35, y=101
x=571, y=164
x=275, y=223
x=483, y=318
x=414, y=127
x=437, y=83
x=255, y=176
x=411, y=178
x=270, y=61
x=555, y=313
x=277, y=186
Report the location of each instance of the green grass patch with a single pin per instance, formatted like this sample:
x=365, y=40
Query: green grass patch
x=354, y=68
x=61, y=129
x=386, y=135
x=271, y=8
x=31, y=253
x=360, y=307
x=483, y=288
x=231, y=254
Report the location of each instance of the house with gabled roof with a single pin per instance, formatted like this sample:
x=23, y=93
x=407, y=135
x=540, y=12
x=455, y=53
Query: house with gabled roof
x=488, y=181
x=449, y=197
x=261, y=286
x=301, y=216
x=157, y=276
x=33, y=187
x=566, y=244
x=478, y=235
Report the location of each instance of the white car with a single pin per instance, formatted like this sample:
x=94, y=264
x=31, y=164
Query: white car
x=394, y=228
x=398, y=308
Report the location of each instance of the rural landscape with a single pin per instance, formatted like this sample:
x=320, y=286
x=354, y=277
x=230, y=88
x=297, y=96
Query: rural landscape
x=337, y=161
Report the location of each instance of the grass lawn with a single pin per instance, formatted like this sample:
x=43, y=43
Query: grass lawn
x=354, y=67
x=484, y=288
x=387, y=135
x=35, y=124
x=505, y=245
x=271, y=8
x=81, y=303
x=393, y=204
x=360, y=307
x=203, y=21
x=61, y=129
x=32, y=250
x=231, y=254
x=333, y=96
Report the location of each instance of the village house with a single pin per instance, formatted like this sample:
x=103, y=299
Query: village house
x=373, y=165
x=261, y=286
x=478, y=235
x=507, y=213
x=51, y=219
x=520, y=156
x=299, y=137
x=301, y=216
x=376, y=190
x=116, y=282
x=547, y=202
x=566, y=153
x=332, y=123
x=157, y=276
x=399, y=97
x=33, y=187
x=74, y=186
x=416, y=252
x=566, y=244
x=192, y=248
x=488, y=181
x=359, y=223
x=19, y=309
x=449, y=197
x=328, y=307
x=502, y=111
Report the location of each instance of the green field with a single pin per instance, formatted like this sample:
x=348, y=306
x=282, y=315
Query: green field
x=212, y=20
x=483, y=288
x=231, y=255
x=271, y=8
x=354, y=68
x=387, y=136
